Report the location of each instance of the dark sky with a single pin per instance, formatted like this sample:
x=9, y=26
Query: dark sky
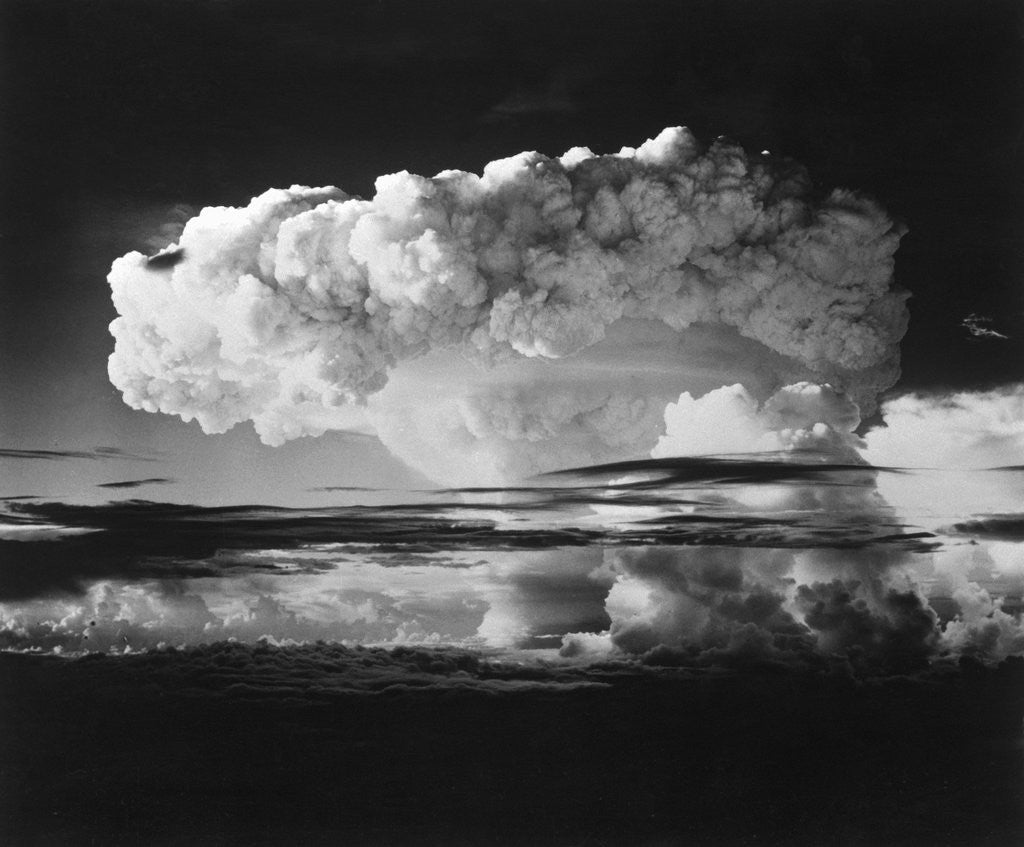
x=124, y=117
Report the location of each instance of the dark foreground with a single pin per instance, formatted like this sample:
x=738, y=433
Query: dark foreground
x=321, y=745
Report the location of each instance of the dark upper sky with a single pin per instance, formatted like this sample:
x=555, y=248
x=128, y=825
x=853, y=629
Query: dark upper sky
x=121, y=118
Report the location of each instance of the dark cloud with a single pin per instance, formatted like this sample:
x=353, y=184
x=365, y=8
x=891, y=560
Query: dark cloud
x=994, y=527
x=527, y=498
x=896, y=632
x=809, y=530
x=329, y=488
x=138, y=539
x=166, y=259
x=323, y=670
x=136, y=483
x=98, y=453
x=733, y=471
x=557, y=94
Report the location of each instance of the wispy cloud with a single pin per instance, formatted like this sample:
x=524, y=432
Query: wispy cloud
x=98, y=453
x=331, y=488
x=690, y=504
x=739, y=469
x=137, y=483
x=980, y=327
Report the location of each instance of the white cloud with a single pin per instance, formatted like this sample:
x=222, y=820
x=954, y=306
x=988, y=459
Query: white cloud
x=295, y=310
x=953, y=438
x=967, y=429
x=804, y=416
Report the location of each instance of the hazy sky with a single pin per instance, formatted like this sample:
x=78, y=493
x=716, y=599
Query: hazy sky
x=124, y=120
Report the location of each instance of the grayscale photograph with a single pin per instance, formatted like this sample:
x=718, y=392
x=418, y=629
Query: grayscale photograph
x=511, y=423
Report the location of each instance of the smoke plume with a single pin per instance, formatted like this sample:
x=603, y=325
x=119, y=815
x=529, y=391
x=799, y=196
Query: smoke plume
x=558, y=312
x=560, y=303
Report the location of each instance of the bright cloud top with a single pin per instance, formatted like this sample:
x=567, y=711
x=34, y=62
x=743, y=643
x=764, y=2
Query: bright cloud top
x=299, y=309
x=967, y=429
x=729, y=420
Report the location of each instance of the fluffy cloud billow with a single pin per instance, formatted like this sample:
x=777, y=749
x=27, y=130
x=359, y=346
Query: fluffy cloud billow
x=550, y=313
x=887, y=608
x=560, y=302
x=964, y=429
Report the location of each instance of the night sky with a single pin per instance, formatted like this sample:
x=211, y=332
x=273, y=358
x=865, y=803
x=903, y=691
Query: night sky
x=651, y=618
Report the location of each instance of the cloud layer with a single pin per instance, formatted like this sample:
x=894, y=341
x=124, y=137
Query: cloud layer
x=699, y=561
x=871, y=603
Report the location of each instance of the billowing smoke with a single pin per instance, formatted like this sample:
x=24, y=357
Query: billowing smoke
x=562, y=312
x=539, y=315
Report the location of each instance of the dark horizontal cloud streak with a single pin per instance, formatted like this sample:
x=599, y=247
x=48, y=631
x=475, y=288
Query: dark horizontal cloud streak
x=138, y=539
x=676, y=560
x=1003, y=527
x=733, y=470
x=137, y=483
x=99, y=453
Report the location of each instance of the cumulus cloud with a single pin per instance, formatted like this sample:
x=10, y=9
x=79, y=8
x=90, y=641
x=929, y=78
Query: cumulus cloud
x=805, y=416
x=980, y=587
x=954, y=439
x=306, y=306
x=710, y=601
x=117, y=617
x=693, y=598
x=966, y=429
x=707, y=604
